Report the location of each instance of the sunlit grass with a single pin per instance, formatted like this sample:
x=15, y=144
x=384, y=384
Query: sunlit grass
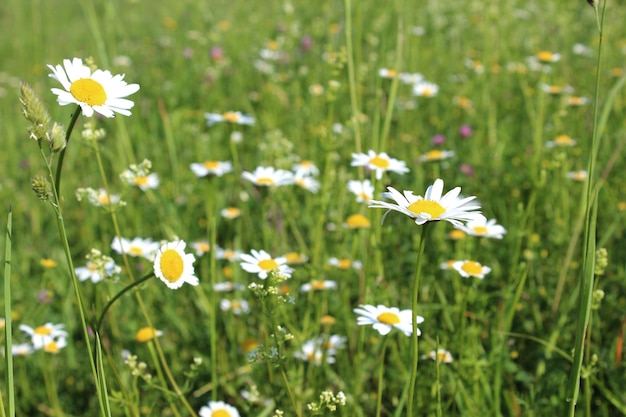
x=503, y=125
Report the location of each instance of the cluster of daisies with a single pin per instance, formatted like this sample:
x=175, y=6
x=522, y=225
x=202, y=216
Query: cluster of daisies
x=49, y=338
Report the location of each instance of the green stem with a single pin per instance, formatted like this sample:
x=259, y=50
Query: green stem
x=68, y=133
x=352, y=76
x=381, y=368
x=118, y=295
x=589, y=201
x=414, y=338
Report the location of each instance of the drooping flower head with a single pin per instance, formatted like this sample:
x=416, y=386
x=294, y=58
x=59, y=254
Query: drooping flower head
x=433, y=206
x=98, y=91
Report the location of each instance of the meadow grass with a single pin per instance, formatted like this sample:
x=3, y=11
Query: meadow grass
x=309, y=75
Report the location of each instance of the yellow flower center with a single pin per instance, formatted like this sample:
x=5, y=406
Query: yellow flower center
x=545, y=56
x=141, y=180
x=344, y=264
x=51, y=347
x=364, y=196
x=379, y=162
x=388, y=318
x=357, y=221
x=480, y=230
x=268, y=264
x=43, y=330
x=135, y=250
x=48, y=263
x=104, y=199
x=172, y=265
x=434, y=155
x=428, y=92
x=554, y=89
x=211, y=164
x=89, y=92
x=472, y=268
x=203, y=246
x=318, y=285
x=230, y=117
x=235, y=305
x=145, y=334
x=457, y=234
x=430, y=207
x=563, y=140
x=248, y=345
x=442, y=356
x=264, y=181
x=220, y=413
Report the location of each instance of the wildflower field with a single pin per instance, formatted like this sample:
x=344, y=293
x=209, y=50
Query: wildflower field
x=299, y=208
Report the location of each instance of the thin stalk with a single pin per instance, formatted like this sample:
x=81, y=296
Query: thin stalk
x=589, y=201
x=118, y=295
x=381, y=368
x=8, y=322
x=352, y=76
x=414, y=302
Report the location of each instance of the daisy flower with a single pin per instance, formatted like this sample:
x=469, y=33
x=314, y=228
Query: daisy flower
x=139, y=175
x=383, y=318
x=579, y=175
x=456, y=234
x=425, y=89
x=469, y=269
x=344, y=263
x=230, y=213
x=98, y=267
x=238, y=307
x=173, y=266
x=227, y=254
x=333, y=343
x=318, y=285
x=434, y=206
x=200, y=247
x=55, y=346
x=357, y=221
x=312, y=352
x=387, y=73
x=295, y=258
x=556, y=89
x=439, y=355
x=561, y=140
x=99, y=197
x=205, y=168
x=436, y=155
x=145, y=334
x=234, y=117
x=306, y=168
x=218, y=409
x=363, y=190
x=576, y=101
x=43, y=335
x=269, y=177
x=98, y=91
x=48, y=263
x=483, y=228
x=262, y=263
x=411, y=77
x=305, y=181
x=146, y=248
x=22, y=349
x=547, y=57
x=379, y=162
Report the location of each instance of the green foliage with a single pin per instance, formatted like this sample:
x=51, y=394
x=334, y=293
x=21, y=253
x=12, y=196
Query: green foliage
x=511, y=334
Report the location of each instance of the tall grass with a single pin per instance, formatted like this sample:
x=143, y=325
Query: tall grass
x=511, y=334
